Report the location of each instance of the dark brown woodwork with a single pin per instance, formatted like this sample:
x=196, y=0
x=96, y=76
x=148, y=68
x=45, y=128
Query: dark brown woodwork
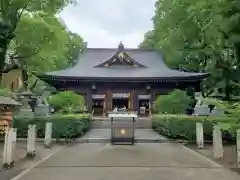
x=109, y=100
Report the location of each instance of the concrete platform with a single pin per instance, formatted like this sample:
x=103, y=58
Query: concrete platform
x=102, y=161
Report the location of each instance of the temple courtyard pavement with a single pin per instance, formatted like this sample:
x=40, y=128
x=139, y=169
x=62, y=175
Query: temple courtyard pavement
x=99, y=160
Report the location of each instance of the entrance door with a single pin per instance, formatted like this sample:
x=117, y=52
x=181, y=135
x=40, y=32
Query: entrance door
x=98, y=107
x=120, y=101
x=98, y=104
x=144, y=105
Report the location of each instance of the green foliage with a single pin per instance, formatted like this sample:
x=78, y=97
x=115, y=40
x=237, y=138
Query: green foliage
x=11, y=12
x=76, y=46
x=149, y=41
x=210, y=43
x=182, y=126
x=50, y=6
x=5, y=92
x=66, y=101
x=233, y=109
x=43, y=44
x=176, y=102
x=70, y=126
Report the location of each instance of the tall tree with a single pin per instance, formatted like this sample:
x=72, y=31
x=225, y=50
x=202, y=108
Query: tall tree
x=76, y=46
x=149, y=41
x=11, y=12
x=198, y=36
x=43, y=44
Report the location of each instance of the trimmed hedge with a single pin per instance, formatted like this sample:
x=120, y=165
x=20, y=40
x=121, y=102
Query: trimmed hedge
x=184, y=127
x=64, y=126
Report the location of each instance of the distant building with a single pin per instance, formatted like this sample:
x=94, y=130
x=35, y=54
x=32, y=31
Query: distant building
x=131, y=78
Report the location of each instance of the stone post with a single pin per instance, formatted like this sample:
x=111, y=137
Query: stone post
x=9, y=148
x=48, y=135
x=199, y=135
x=238, y=147
x=31, y=141
x=217, y=142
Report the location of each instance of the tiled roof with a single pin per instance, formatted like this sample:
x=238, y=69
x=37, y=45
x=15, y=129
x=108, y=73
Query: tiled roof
x=152, y=62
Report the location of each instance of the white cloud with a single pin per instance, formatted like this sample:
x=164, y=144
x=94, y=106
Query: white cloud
x=105, y=24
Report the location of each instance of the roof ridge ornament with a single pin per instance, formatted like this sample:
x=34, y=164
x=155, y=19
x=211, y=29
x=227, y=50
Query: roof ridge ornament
x=120, y=47
x=120, y=57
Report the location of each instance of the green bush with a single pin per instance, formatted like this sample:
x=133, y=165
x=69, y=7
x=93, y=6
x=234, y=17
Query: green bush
x=176, y=102
x=64, y=126
x=5, y=92
x=66, y=101
x=183, y=126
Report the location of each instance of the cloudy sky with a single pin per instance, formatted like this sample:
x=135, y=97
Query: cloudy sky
x=106, y=23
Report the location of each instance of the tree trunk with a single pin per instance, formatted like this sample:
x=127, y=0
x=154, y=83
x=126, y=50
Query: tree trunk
x=227, y=89
x=3, y=51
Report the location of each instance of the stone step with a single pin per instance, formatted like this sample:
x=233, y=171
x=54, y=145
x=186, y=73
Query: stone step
x=107, y=140
x=105, y=124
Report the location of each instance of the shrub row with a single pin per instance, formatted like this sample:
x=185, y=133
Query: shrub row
x=64, y=126
x=184, y=127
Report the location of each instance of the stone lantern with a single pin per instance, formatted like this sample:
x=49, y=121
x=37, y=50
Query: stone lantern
x=28, y=100
x=7, y=108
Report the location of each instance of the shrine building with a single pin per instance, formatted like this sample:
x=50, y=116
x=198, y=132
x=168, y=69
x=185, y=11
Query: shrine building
x=121, y=77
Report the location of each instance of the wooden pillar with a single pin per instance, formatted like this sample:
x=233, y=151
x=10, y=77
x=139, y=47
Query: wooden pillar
x=109, y=100
x=152, y=100
x=105, y=105
x=89, y=101
x=135, y=100
x=150, y=106
x=130, y=101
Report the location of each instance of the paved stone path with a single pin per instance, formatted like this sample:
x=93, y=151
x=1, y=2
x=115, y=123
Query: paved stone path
x=139, y=134
x=102, y=161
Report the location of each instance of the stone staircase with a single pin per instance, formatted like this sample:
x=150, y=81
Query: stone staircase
x=105, y=123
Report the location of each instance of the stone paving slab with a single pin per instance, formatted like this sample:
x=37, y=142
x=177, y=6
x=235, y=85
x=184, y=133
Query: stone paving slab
x=140, y=162
x=139, y=134
x=128, y=173
x=97, y=134
x=139, y=155
x=21, y=149
x=23, y=163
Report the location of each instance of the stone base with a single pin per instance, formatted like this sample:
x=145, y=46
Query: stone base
x=8, y=166
x=31, y=155
x=200, y=147
x=47, y=146
x=25, y=113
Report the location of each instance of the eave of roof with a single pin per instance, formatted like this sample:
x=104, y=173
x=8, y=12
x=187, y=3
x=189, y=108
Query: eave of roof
x=119, y=79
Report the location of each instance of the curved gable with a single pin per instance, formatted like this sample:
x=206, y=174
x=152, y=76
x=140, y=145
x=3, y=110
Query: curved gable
x=121, y=57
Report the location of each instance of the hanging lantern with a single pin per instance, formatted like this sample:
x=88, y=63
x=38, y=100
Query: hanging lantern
x=94, y=87
x=148, y=87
